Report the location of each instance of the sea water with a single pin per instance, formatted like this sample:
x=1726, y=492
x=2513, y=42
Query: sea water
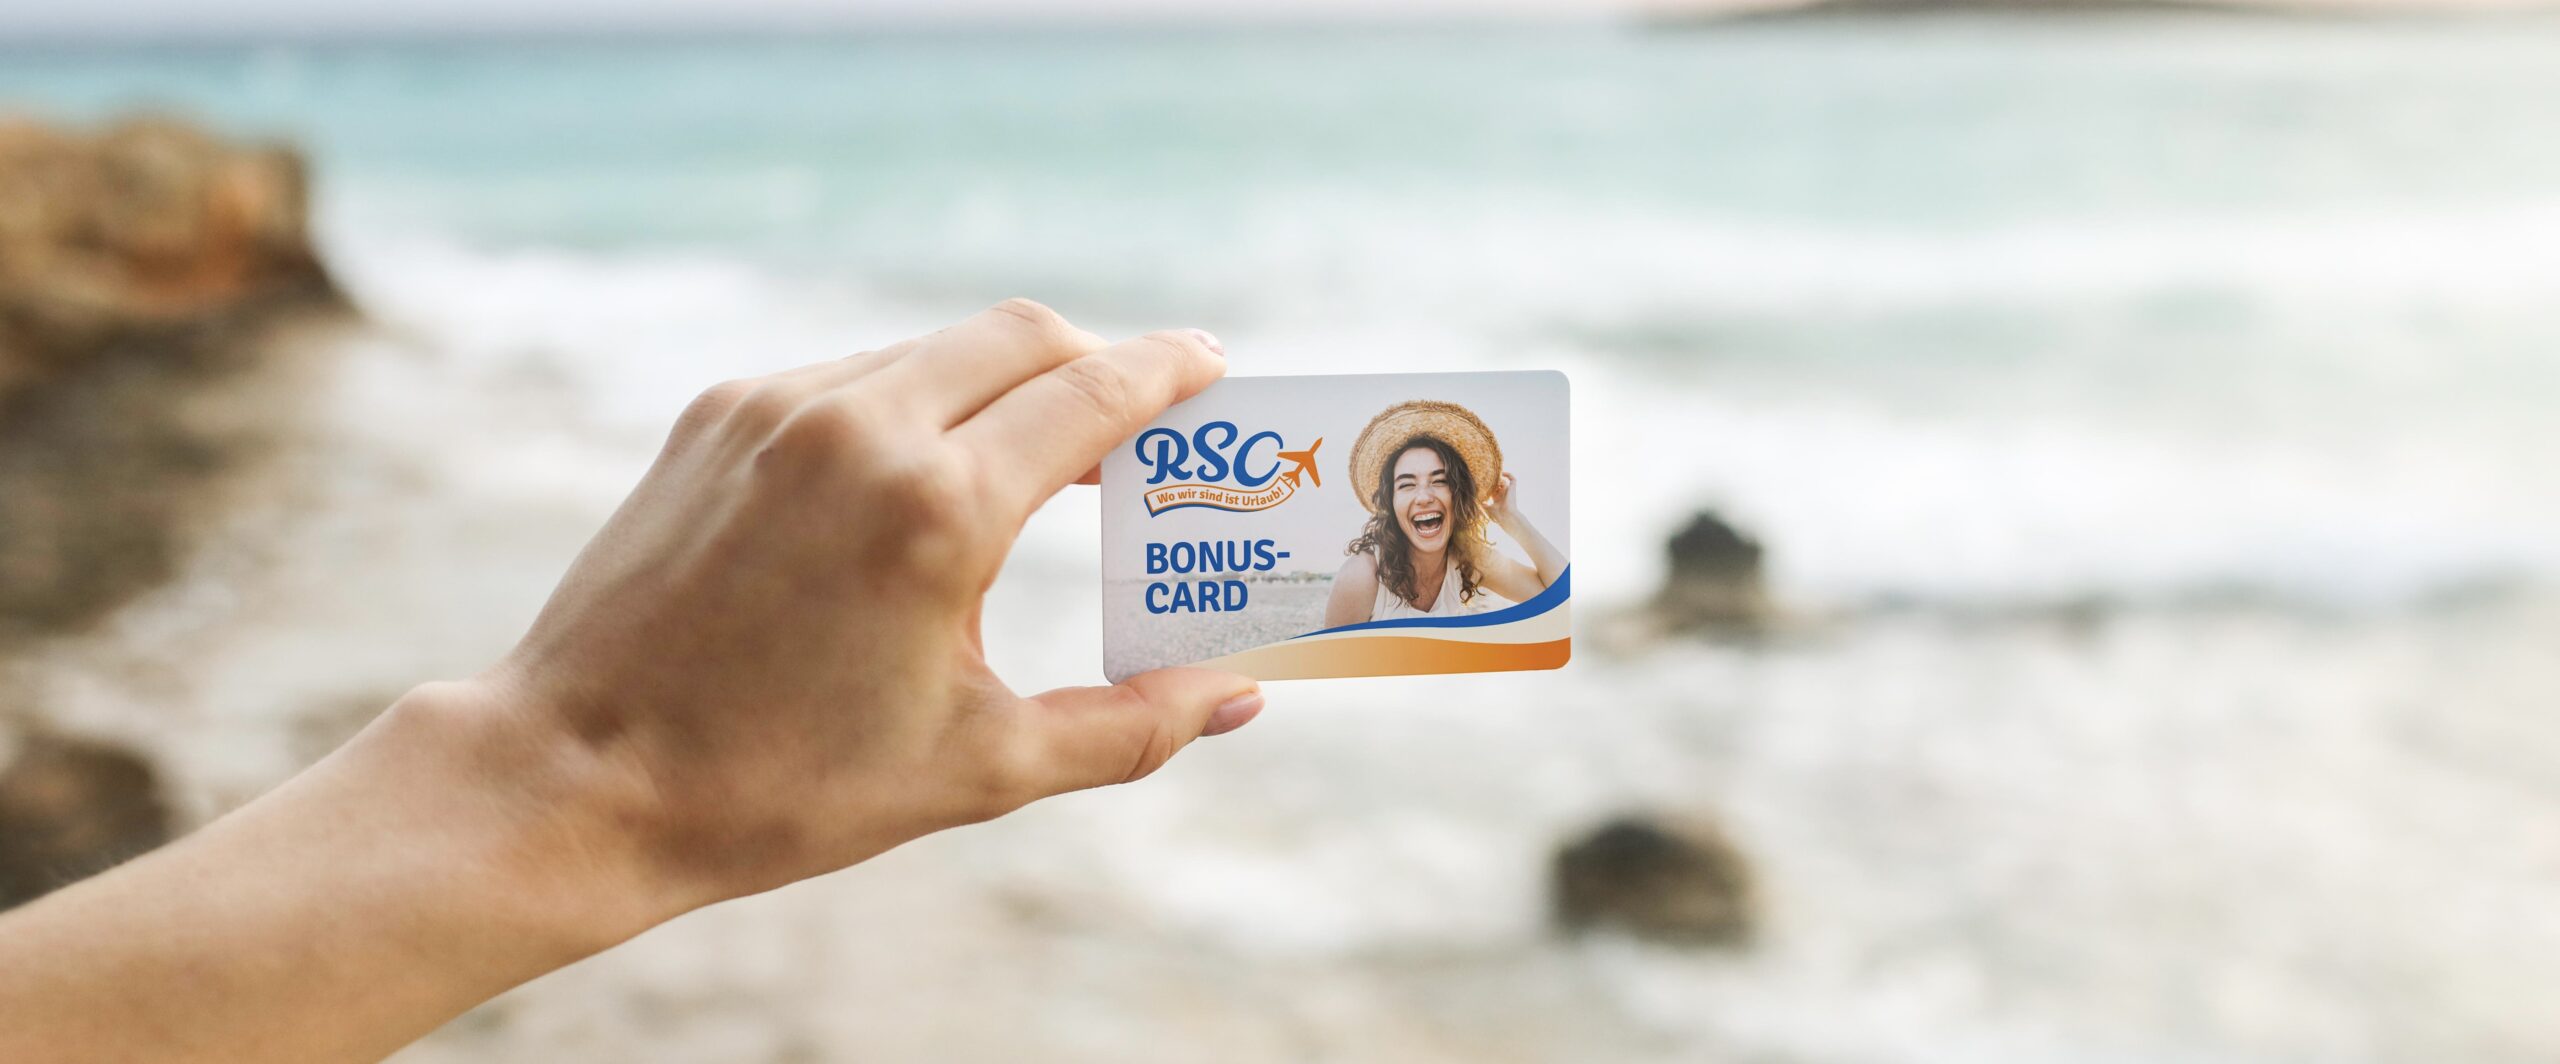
x=2150, y=419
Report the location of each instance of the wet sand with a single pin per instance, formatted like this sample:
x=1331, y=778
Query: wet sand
x=2236, y=833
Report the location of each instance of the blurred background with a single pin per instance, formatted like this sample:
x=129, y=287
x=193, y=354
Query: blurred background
x=2067, y=496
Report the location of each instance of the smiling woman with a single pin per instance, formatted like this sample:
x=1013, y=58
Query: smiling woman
x=1421, y=468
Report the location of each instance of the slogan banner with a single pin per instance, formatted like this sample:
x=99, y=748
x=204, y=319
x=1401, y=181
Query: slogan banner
x=1219, y=497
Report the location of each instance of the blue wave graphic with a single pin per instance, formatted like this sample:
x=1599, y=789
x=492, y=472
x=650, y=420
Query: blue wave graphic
x=1552, y=597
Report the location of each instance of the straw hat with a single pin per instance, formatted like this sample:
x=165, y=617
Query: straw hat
x=1396, y=426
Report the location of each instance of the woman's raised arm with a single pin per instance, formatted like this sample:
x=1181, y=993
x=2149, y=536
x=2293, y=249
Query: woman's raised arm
x=1509, y=578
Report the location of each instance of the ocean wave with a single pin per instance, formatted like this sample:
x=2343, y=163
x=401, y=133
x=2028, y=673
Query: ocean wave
x=1865, y=494
x=1309, y=246
x=1861, y=506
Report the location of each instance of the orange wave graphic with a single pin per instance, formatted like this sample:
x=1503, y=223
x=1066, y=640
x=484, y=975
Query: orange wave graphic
x=1399, y=655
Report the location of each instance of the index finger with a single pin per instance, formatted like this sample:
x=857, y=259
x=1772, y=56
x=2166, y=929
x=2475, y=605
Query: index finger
x=1050, y=429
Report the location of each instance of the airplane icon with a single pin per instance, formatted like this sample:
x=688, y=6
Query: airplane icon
x=1306, y=461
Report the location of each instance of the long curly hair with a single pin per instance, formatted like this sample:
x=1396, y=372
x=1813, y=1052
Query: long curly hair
x=1383, y=537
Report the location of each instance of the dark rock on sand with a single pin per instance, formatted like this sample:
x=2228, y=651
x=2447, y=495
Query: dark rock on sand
x=1678, y=881
x=142, y=270
x=1716, y=581
x=72, y=808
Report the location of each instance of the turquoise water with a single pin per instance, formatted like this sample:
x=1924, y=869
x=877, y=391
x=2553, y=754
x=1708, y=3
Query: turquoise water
x=1947, y=124
x=2120, y=306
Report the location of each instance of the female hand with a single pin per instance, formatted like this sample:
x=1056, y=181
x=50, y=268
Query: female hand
x=764, y=668
x=1498, y=505
x=768, y=662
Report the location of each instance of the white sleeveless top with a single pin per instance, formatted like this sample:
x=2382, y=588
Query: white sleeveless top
x=1389, y=606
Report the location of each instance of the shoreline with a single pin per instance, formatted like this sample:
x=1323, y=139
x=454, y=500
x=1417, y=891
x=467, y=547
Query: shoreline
x=2145, y=652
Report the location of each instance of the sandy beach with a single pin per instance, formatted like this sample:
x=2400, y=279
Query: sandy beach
x=2148, y=431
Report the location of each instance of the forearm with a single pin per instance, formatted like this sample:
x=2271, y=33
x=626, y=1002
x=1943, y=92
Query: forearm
x=1549, y=561
x=431, y=863
x=765, y=668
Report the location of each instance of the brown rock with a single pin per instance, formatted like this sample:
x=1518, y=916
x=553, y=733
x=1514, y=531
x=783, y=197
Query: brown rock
x=1716, y=582
x=140, y=232
x=1669, y=880
x=73, y=808
x=141, y=268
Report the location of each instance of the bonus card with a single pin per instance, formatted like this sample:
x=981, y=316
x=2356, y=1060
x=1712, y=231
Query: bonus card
x=1356, y=525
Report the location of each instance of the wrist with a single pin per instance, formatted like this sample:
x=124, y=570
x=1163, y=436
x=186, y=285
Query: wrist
x=548, y=830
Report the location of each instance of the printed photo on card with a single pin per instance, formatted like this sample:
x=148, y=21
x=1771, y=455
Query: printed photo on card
x=1356, y=525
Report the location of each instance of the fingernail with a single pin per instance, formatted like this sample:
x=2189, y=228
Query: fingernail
x=1208, y=341
x=1234, y=713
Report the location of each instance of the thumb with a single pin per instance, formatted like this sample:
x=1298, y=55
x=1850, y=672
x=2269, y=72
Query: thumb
x=1096, y=736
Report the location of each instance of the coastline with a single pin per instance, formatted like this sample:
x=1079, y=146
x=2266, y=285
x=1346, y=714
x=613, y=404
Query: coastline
x=2147, y=654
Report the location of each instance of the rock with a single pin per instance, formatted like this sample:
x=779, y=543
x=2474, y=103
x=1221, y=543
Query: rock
x=73, y=808
x=1716, y=581
x=143, y=231
x=142, y=268
x=1668, y=880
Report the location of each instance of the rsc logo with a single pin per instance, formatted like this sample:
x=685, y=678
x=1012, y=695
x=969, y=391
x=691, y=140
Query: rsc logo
x=1220, y=467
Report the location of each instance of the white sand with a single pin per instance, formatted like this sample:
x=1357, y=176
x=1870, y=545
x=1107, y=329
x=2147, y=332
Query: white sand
x=2242, y=835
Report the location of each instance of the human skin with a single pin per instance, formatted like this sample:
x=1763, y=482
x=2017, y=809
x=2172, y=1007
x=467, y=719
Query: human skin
x=1421, y=486
x=765, y=667
x=1420, y=481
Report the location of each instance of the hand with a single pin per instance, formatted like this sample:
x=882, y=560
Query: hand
x=1498, y=505
x=765, y=667
x=768, y=663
